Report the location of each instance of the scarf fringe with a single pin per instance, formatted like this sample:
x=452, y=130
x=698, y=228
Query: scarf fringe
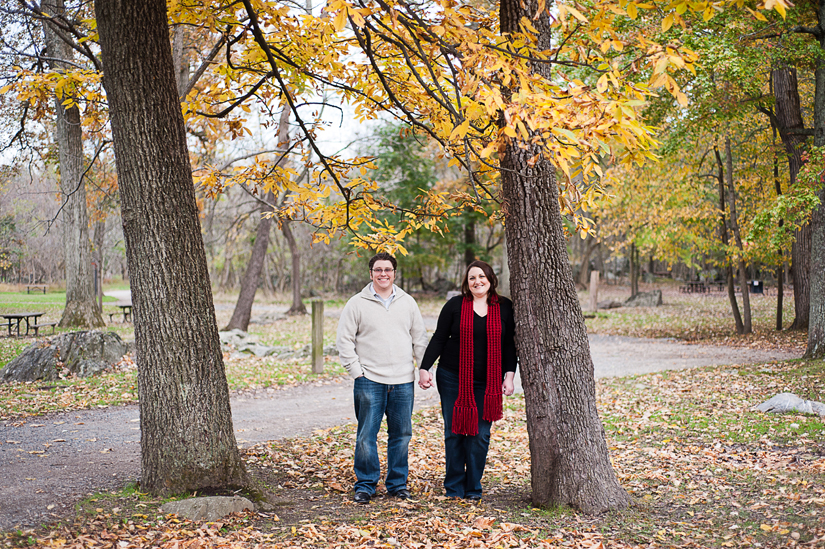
x=493, y=404
x=465, y=420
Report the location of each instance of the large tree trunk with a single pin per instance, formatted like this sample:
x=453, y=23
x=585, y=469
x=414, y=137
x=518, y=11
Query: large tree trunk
x=81, y=309
x=816, y=327
x=187, y=440
x=249, y=283
x=790, y=125
x=723, y=236
x=747, y=326
x=570, y=463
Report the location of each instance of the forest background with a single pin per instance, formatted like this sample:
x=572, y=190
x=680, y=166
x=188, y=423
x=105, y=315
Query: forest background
x=714, y=121
x=566, y=106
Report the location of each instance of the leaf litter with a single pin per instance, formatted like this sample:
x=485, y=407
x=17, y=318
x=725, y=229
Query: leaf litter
x=703, y=470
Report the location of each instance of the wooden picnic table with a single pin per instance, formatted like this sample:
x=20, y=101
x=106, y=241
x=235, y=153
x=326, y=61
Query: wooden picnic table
x=14, y=320
x=125, y=309
x=696, y=288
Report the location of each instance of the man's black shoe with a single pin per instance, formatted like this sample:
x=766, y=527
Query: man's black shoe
x=403, y=493
x=361, y=497
x=473, y=498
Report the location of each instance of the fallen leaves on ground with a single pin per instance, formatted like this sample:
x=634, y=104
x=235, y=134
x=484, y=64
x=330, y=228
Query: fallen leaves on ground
x=696, y=318
x=703, y=469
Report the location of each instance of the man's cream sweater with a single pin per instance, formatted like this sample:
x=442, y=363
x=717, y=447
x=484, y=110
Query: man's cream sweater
x=378, y=342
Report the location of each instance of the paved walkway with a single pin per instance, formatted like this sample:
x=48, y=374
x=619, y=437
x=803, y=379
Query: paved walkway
x=49, y=463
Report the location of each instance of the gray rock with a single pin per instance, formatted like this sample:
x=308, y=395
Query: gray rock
x=256, y=349
x=236, y=337
x=80, y=353
x=208, y=508
x=789, y=402
x=270, y=317
x=645, y=299
x=238, y=342
x=610, y=304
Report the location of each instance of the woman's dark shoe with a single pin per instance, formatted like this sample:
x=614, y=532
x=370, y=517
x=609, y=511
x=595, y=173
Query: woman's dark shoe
x=403, y=493
x=474, y=498
x=361, y=497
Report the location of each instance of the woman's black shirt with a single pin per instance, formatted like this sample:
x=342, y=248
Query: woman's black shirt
x=445, y=346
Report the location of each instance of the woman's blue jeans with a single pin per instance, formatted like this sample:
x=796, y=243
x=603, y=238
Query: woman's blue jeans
x=372, y=401
x=465, y=456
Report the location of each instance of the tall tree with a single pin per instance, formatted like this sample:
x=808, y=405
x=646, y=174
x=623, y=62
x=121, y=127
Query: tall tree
x=81, y=304
x=816, y=327
x=791, y=127
x=252, y=276
x=570, y=463
x=187, y=440
x=737, y=236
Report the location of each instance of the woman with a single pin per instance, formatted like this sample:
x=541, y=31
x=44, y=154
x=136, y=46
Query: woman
x=475, y=347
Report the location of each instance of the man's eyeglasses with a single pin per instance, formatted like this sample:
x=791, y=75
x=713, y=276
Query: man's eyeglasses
x=379, y=271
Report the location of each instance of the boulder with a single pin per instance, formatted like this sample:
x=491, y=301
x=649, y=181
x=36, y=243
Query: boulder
x=789, y=402
x=240, y=344
x=82, y=354
x=645, y=299
x=609, y=304
x=209, y=509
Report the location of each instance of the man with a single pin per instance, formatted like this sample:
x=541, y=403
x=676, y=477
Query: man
x=379, y=331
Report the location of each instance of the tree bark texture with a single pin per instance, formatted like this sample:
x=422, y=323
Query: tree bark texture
x=723, y=236
x=187, y=440
x=252, y=276
x=747, y=326
x=570, y=462
x=790, y=125
x=816, y=325
x=81, y=309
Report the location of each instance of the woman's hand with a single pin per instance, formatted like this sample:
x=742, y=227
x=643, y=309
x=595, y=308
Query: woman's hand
x=508, y=388
x=425, y=379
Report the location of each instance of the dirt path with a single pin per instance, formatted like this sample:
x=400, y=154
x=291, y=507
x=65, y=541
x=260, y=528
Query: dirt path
x=48, y=463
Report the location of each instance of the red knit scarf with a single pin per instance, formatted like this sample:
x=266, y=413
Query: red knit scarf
x=465, y=414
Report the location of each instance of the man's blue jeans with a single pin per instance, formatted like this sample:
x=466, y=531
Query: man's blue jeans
x=372, y=401
x=465, y=456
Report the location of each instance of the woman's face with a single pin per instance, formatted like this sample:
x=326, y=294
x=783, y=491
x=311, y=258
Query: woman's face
x=477, y=280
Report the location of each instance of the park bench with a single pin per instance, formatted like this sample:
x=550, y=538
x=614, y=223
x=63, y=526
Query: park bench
x=36, y=288
x=36, y=327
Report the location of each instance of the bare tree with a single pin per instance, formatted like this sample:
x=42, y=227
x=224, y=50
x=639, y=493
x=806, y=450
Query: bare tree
x=81, y=302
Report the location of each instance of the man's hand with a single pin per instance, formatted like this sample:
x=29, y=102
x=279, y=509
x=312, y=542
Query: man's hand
x=425, y=379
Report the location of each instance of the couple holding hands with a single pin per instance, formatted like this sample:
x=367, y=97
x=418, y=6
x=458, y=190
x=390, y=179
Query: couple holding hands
x=381, y=332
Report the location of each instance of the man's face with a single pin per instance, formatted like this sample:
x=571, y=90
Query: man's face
x=382, y=275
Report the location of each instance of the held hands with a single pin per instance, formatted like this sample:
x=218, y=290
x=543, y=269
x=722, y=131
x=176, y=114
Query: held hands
x=425, y=379
x=507, y=387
